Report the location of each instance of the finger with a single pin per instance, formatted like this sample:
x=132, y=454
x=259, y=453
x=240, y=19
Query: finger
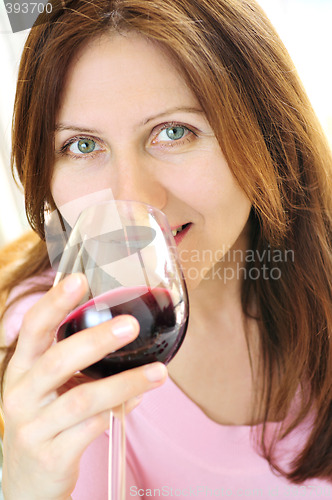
x=77, y=439
x=40, y=322
x=129, y=406
x=67, y=448
x=77, y=379
x=87, y=400
x=75, y=353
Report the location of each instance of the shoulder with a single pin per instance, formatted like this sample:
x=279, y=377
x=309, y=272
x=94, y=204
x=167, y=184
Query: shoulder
x=20, y=300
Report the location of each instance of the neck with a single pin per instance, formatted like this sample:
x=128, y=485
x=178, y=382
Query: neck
x=213, y=366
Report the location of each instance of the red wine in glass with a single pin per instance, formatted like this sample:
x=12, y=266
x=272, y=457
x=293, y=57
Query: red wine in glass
x=160, y=334
x=128, y=254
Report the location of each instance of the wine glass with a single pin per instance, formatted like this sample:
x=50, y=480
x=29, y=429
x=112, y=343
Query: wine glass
x=128, y=254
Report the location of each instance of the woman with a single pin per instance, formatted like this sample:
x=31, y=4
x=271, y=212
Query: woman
x=195, y=108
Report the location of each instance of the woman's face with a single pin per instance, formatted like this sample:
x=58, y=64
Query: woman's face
x=129, y=126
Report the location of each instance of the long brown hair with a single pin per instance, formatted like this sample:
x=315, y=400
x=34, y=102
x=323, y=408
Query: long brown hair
x=239, y=70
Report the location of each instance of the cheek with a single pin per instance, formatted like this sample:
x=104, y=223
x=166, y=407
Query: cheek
x=224, y=210
x=69, y=183
x=72, y=193
x=230, y=210
x=219, y=234
x=205, y=181
x=227, y=212
x=59, y=189
x=211, y=189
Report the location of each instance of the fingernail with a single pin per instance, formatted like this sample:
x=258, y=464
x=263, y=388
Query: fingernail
x=72, y=283
x=123, y=328
x=155, y=372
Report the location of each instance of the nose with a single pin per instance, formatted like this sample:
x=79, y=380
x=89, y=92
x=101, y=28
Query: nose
x=135, y=179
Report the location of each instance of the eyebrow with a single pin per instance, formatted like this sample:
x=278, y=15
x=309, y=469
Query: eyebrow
x=76, y=128
x=173, y=110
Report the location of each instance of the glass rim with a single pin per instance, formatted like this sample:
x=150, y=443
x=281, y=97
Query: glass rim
x=149, y=208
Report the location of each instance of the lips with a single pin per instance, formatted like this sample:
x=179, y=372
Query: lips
x=179, y=232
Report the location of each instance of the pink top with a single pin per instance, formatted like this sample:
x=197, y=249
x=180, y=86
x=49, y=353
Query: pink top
x=175, y=450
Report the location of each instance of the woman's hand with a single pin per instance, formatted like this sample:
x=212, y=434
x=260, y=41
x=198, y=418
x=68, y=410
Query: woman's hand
x=47, y=433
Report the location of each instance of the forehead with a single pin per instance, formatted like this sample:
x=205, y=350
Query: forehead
x=127, y=70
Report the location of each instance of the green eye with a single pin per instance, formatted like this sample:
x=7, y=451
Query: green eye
x=86, y=145
x=175, y=133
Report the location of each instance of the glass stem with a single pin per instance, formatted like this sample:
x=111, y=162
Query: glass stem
x=117, y=457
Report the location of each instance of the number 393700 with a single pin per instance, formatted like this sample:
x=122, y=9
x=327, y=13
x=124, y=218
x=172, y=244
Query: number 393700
x=28, y=7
